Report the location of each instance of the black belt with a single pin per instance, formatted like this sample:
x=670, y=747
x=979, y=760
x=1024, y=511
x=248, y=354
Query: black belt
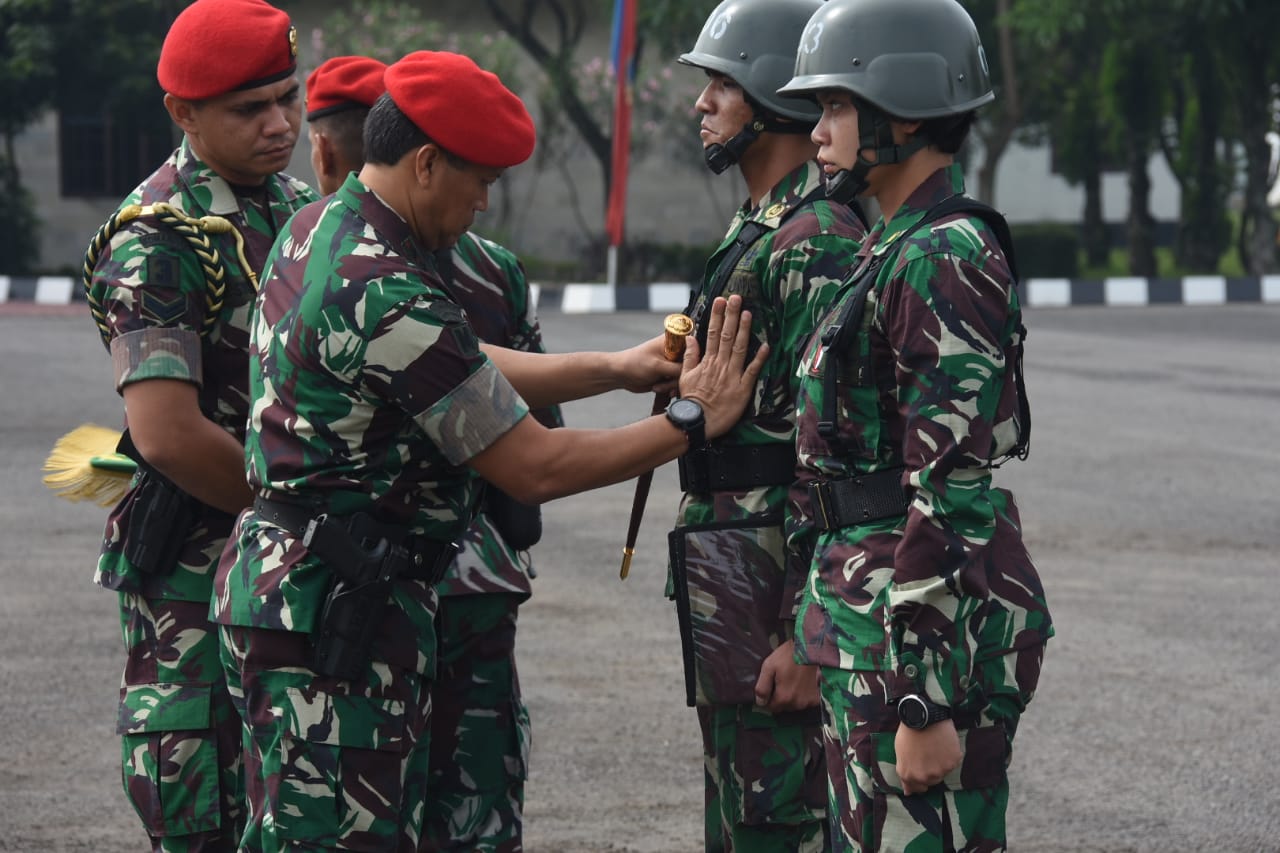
x=717, y=467
x=858, y=500
x=428, y=559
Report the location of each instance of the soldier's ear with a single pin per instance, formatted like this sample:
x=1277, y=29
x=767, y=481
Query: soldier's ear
x=182, y=112
x=327, y=160
x=427, y=161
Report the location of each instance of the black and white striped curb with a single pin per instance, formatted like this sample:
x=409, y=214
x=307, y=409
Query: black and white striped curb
x=664, y=297
x=667, y=296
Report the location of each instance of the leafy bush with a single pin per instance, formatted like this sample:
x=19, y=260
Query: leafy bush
x=1047, y=249
x=19, y=226
x=552, y=270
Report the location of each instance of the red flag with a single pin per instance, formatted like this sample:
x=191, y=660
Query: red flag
x=624, y=49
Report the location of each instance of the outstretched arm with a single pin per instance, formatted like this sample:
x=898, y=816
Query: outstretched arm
x=535, y=464
x=545, y=379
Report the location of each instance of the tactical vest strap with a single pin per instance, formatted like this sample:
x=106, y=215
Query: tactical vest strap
x=747, y=237
x=194, y=230
x=836, y=337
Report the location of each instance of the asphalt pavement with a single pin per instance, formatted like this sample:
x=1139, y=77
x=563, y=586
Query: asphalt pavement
x=1150, y=504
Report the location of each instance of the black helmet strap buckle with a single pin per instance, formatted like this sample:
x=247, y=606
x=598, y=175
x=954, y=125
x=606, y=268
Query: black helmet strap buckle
x=721, y=157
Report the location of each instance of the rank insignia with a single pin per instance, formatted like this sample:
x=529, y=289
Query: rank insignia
x=162, y=307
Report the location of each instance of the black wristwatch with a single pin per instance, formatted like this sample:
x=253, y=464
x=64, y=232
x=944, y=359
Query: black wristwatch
x=917, y=711
x=687, y=415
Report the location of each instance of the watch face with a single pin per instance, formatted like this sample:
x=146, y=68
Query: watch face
x=685, y=411
x=912, y=712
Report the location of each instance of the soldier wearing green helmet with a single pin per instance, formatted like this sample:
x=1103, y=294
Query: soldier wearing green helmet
x=785, y=252
x=913, y=591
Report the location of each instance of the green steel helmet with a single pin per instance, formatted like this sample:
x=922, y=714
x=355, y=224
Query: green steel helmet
x=913, y=59
x=753, y=42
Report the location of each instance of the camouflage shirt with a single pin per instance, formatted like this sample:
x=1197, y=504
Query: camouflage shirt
x=727, y=553
x=489, y=282
x=151, y=288
x=787, y=278
x=368, y=394
x=939, y=332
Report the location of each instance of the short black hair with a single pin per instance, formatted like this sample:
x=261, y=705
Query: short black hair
x=947, y=133
x=345, y=129
x=389, y=135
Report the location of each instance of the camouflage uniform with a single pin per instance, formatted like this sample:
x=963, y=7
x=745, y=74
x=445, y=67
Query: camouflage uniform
x=368, y=393
x=479, y=724
x=764, y=773
x=943, y=600
x=181, y=751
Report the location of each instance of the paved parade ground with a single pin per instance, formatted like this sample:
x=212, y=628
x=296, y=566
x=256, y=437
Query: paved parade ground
x=1151, y=503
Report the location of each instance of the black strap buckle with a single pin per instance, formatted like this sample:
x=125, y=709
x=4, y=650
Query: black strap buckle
x=859, y=499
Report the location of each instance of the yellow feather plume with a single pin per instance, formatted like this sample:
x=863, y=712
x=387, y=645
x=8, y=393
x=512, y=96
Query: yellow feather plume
x=84, y=466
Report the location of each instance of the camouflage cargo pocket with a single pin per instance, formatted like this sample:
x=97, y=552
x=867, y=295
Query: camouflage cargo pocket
x=728, y=587
x=170, y=757
x=339, y=763
x=782, y=767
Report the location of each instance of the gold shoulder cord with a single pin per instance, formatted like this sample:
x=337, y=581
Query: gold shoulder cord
x=194, y=230
x=84, y=464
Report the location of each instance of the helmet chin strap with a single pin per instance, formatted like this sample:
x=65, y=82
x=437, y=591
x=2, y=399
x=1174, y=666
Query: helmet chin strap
x=875, y=131
x=721, y=157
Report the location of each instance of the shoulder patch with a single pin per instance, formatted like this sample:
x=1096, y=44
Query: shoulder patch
x=162, y=272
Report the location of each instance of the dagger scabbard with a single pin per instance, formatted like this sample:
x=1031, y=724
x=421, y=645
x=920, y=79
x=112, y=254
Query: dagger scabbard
x=676, y=328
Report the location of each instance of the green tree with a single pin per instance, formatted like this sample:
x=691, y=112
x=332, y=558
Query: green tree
x=1197, y=114
x=1245, y=35
x=27, y=51
x=551, y=31
x=1010, y=65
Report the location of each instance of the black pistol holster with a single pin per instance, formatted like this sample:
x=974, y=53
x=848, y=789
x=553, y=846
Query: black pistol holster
x=365, y=558
x=160, y=519
x=519, y=524
x=358, y=594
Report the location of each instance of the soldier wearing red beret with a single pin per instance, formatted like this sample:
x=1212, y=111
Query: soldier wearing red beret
x=171, y=281
x=339, y=94
x=480, y=727
x=375, y=414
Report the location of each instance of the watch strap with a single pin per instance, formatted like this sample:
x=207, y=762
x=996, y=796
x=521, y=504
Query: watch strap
x=933, y=712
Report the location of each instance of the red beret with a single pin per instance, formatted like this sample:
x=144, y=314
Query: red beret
x=344, y=83
x=464, y=108
x=220, y=46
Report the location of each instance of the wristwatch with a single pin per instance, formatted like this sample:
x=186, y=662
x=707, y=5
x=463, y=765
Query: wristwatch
x=687, y=415
x=917, y=711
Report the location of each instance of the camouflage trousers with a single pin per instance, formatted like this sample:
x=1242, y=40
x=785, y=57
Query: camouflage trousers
x=479, y=729
x=966, y=811
x=765, y=780
x=181, y=734
x=330, y=764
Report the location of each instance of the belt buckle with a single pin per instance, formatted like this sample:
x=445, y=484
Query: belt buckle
x=820, y=492
x=442, y=562
x=313, y=525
